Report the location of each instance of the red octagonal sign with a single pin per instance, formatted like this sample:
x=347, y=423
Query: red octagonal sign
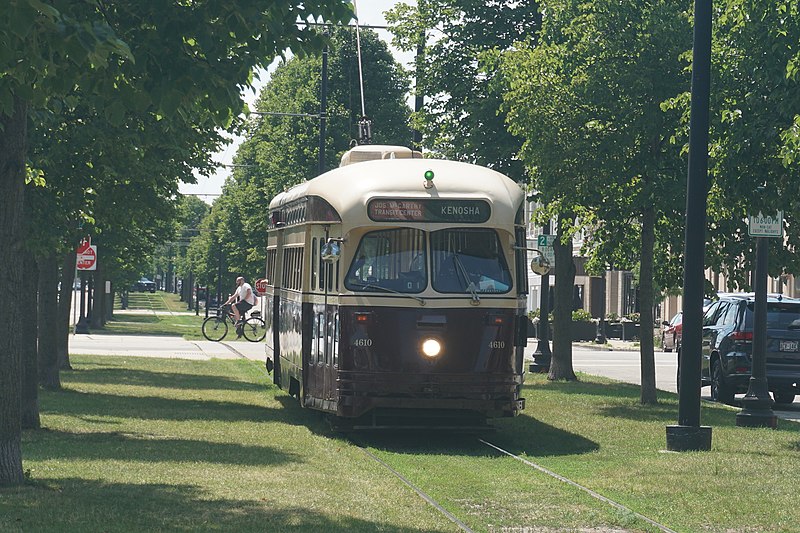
x=261, y=286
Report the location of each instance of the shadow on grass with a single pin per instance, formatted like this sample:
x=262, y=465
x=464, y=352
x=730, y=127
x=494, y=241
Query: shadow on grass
x=121, y=507
x=522, y=434
x=142, y=447
x=139, y=319
x=89, y=404
x=120, y=375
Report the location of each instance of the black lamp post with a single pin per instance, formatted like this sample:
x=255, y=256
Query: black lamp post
x=600, y=338
x=542, y=355
x=688, y=434
x=757, y=404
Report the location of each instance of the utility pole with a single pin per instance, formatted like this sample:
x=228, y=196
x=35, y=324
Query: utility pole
x=688, y=434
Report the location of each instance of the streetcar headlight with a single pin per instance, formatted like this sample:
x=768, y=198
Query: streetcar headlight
x=431, y=347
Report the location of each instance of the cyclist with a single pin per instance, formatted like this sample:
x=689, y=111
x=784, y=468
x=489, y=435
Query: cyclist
x=244, y=299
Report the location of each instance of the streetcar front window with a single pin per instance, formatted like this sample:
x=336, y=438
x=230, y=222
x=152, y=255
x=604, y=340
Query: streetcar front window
x=468, y=260
x=389, y=260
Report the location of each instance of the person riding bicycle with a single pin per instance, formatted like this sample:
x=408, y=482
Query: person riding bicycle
x=244, y=299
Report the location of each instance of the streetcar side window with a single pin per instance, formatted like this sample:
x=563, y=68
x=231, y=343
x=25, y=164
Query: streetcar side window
x=271, y=253
x=292, y=268
x=335, y=339
x=313, y=263
x=469, y=260
x=389, y=260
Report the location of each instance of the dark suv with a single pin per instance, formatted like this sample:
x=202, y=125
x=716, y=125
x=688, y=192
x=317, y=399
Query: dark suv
x=728, y=346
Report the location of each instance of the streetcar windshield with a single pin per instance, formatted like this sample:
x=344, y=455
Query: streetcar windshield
x=389, y=261
x=468, y=261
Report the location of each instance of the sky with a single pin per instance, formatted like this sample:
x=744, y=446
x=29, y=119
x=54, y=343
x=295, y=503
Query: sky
x=370, y=12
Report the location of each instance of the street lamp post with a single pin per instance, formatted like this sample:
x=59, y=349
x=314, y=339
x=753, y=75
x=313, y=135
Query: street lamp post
x=757, y=404
x=542, y=355
x=600, y=338
x=688, y=434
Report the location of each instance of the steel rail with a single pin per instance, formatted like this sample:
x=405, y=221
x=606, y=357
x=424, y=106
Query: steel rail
x=419, y=492
x=588, y=491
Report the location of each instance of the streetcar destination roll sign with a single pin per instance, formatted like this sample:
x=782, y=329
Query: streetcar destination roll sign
x=429, y=210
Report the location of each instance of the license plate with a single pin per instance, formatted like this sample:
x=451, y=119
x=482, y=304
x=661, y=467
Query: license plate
x=789, y=346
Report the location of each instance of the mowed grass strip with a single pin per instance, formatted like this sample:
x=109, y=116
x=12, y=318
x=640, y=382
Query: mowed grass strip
x=186, y=326
x=140, y=444
x=172, y=445
x=596, y=433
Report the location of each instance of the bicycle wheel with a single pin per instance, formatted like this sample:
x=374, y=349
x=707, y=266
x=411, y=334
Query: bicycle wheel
x=254, y=329
x=215, y=329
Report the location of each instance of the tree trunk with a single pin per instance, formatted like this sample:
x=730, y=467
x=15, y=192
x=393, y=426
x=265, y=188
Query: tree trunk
x=561, y=362
x=13, y=132
x=30, y=365
x=647, y=357
x=48, y=315
x=65, y=303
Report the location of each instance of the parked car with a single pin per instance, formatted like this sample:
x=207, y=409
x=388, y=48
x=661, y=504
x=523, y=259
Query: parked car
x=728, y=346
x=144, y=285
x=671, y=333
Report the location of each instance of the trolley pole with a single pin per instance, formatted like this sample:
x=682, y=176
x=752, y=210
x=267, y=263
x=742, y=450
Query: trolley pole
x=323, y=109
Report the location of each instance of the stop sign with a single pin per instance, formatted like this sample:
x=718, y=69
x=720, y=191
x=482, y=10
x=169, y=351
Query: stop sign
x=261, y=285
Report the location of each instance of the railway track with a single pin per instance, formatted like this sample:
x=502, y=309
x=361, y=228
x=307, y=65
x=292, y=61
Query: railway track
x=531, y=465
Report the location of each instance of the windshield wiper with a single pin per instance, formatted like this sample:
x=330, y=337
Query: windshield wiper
x=386, y=289
x=470, y=284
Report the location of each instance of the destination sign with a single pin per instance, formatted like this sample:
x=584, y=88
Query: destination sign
x=429, y=210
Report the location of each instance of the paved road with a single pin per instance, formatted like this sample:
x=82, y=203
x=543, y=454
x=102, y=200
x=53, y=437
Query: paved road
x=623, y=365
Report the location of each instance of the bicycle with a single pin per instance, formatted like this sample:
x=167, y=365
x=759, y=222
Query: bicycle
x=215, y=328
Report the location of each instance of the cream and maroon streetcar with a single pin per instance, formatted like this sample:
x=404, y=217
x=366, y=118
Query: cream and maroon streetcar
x=396, y=292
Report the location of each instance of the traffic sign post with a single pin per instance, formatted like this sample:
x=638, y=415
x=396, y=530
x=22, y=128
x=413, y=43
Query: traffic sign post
x=86, y=256
x=757, y=403
x=545, y=244
x=765, y=225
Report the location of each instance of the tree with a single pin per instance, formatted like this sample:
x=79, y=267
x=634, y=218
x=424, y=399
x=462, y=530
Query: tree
x=281, y=151
x=755, y=134
x=600, y=75
x=173, y=61
x=460, y=75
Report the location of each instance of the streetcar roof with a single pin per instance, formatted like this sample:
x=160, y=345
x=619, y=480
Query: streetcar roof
x=348, y=189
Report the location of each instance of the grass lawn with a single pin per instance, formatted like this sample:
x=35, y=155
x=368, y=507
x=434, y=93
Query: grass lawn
x=140, y=444
x=151, y=314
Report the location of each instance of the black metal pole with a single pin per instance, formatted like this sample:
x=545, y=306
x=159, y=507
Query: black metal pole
x=323, y=109
x=419, y=98
x=543, y=355
x=757, y=403
x=600, y=337
x=219, y=276
x=688, y=434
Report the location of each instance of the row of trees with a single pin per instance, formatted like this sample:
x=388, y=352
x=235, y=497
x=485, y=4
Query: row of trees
x=104, y=108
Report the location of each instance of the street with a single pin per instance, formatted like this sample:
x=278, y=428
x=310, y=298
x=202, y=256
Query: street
x=624, y=366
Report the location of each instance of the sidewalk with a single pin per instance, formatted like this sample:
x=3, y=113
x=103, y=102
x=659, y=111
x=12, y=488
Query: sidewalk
x=163, y=346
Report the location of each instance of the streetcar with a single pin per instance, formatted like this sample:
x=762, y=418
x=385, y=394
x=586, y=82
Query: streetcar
x=395, y=292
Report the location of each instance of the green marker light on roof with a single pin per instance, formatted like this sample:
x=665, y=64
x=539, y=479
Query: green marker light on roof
x=428, y=183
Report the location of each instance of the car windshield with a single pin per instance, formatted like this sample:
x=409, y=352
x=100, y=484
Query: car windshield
x=780, y=315
x=468, y=261
x=389, y=261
